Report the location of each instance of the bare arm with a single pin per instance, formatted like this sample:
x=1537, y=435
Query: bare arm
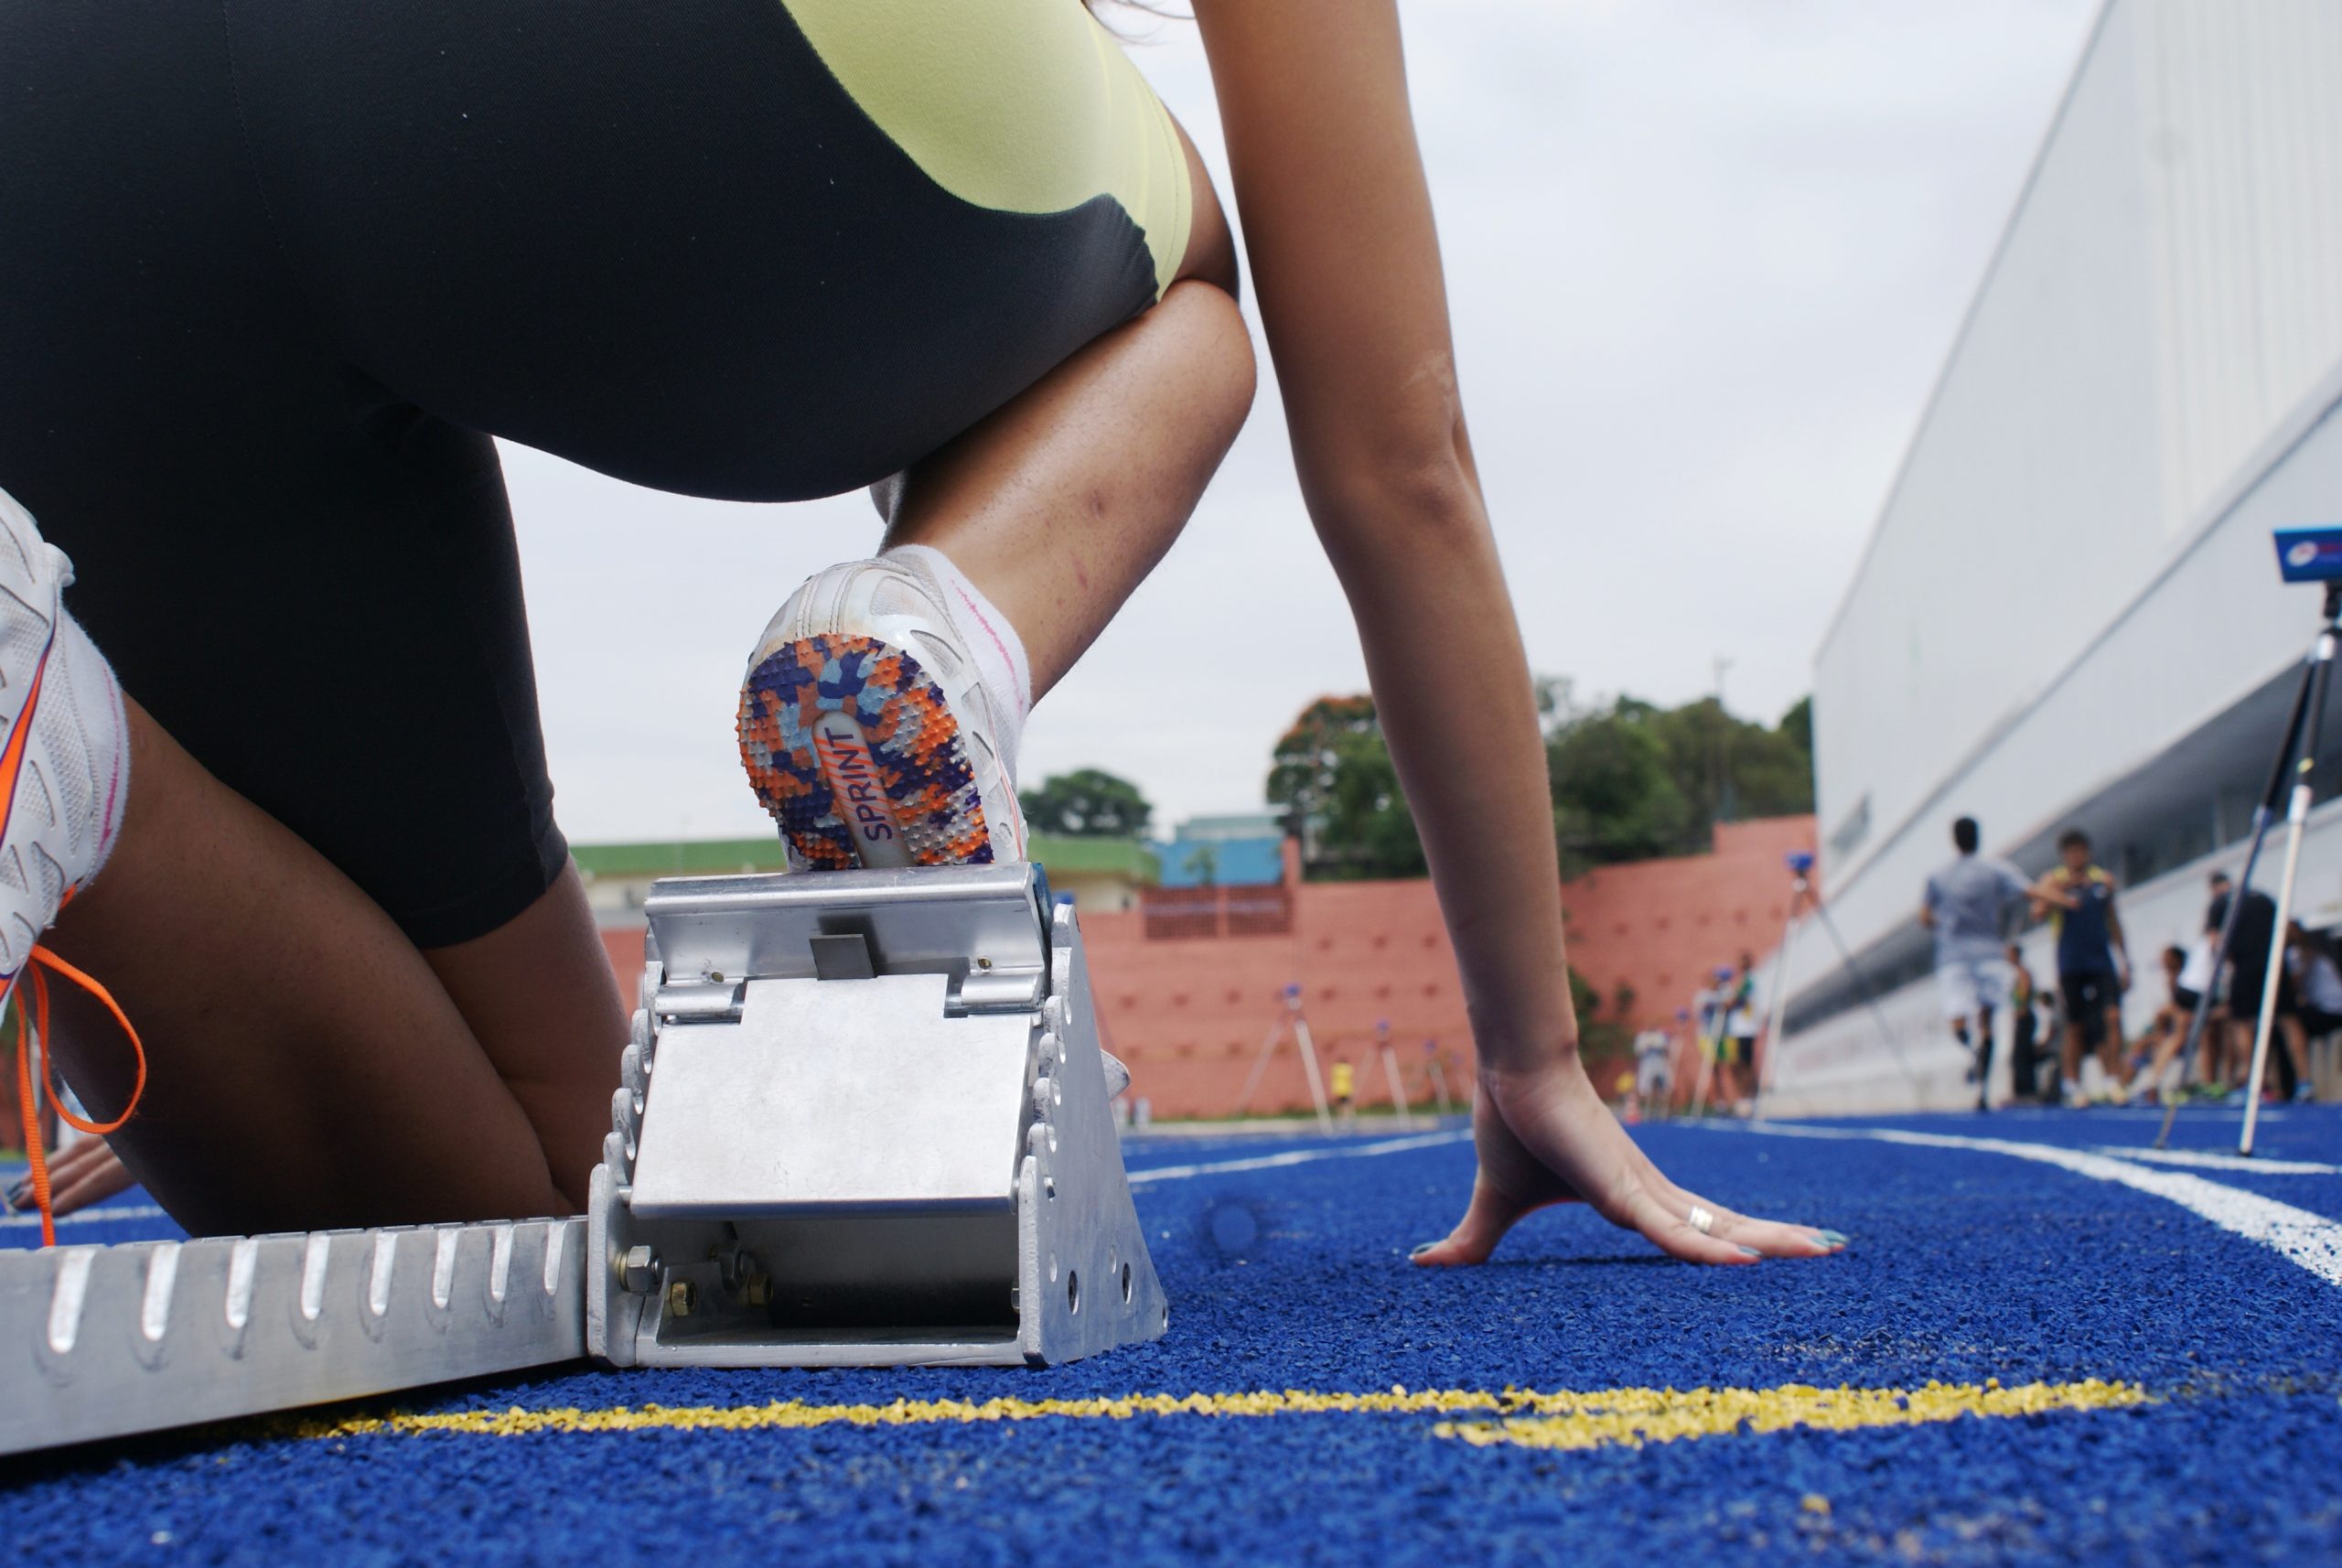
x=1338, y=224
x=2049, y=892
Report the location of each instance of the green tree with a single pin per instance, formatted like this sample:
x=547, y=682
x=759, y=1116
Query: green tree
x=1632, y=780
x=1797, y=726
x=1602, y=1032
x=1087, y=803
x=1615, y=795
x=1332, y=772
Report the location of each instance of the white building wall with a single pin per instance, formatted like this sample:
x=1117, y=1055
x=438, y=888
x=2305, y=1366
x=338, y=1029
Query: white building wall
x=2073, y=570
x=2165, y=302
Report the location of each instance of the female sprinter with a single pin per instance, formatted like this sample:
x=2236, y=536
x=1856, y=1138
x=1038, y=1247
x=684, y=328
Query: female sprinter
x=277, y=273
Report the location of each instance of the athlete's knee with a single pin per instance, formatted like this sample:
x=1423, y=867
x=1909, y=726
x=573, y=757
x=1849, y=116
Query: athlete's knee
x=1213, y=331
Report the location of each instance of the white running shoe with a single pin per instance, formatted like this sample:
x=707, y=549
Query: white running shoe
x=868, y=732
x=64, y=765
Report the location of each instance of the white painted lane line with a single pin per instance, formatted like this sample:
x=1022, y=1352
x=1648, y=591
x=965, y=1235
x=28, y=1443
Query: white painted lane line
x=87, y=1216
x=2204, y=1160
x=2309, y=1240
x=1302, y=1157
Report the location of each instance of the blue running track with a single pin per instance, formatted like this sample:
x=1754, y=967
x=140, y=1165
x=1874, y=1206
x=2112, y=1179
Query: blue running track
x=2183, y=1333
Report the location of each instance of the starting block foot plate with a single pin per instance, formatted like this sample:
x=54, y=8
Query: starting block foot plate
x=865, y=1121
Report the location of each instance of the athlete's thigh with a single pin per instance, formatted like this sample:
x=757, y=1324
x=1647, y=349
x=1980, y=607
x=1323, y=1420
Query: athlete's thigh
x=741, y=248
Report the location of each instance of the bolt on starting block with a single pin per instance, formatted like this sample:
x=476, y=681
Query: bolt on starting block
x=864, y=1120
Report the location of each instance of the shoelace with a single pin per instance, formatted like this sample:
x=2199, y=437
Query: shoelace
x=28, y=1105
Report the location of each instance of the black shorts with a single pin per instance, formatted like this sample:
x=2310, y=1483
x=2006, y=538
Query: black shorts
x=2087, y=994
x=273, y=272
x=2248, y=976
x=2317, y=1024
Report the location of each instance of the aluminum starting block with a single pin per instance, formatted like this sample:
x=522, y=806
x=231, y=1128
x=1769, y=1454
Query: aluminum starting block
x=865, y=1121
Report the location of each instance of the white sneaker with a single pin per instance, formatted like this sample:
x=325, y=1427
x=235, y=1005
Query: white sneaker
x=867, y=731
x=64, y=765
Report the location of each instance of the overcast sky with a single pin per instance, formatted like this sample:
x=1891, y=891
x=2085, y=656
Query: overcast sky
x=1704, y=258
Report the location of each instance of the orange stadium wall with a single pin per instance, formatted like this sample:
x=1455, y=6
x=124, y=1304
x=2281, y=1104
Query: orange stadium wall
x=1191, y=982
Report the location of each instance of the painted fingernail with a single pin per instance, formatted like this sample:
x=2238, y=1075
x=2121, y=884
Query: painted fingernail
x=1421, y=1248
x=1752, y=1251
x=1834, y=1238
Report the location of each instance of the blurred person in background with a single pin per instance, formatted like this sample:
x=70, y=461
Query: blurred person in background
x=1967, y=905
x=2152, y=1053
x=2249, y=949
x=2093, y=962
x=1740, y=1036
x=1654, y=1071
x=2317, y=982
x=2024, y=1032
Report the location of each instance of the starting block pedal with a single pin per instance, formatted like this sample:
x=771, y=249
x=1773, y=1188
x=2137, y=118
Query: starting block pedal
x=865, y=1121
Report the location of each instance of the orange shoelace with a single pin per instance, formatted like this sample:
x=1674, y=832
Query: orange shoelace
x=28, y=1103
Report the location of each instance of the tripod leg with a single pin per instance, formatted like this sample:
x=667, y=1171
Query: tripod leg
x=1260, y=1067
x=1700, y=1079
x=1398, y=1089
x=2274, y=974
x=2309, y=698
x=2297, y=819
x=1870, y=998
x=1771, y=1044
x=2197, y=1020
x=1309, y=1065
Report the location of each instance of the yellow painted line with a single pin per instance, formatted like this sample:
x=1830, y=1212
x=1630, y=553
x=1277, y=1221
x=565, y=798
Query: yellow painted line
x=1523, y=1416
x=1632, y=1417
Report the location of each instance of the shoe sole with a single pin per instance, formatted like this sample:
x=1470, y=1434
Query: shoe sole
x=852, y=749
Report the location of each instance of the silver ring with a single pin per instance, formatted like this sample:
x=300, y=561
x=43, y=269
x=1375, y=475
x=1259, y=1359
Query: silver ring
x=1702, y=1222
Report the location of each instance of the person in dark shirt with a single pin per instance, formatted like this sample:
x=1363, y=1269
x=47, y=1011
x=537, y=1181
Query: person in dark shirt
x=2248, y=969
x=2093, y=963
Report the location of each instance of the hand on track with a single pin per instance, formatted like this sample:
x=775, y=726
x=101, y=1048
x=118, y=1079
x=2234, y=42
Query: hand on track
x=85, y=1174
x=1546, y=1138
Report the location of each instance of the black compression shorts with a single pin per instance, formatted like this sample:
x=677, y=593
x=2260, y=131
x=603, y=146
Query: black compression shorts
x=2088, y=993
x=273, y=272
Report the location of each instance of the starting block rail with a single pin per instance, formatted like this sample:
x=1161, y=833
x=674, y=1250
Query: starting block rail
x=864, y=1119
x=142, y=1336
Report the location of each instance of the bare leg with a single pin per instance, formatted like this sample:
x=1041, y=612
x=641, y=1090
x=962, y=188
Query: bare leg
x=1984, y=1058
x=2296, y=1047
x=306, y=1067
x=541, y=1000
x=1059, y=504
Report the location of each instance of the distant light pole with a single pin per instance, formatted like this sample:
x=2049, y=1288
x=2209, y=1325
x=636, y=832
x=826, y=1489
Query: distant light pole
x=1727, y=808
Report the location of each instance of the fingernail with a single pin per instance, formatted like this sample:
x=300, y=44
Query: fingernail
x=1421, y=1248
x=1752, y=1251
x=1834, y=1238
